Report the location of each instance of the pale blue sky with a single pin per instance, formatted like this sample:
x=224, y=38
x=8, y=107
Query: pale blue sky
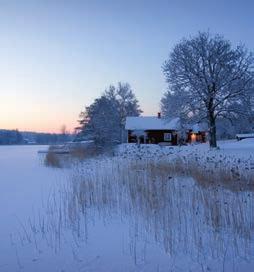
x=57, y=56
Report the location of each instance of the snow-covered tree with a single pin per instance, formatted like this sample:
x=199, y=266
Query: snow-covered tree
x=103, y=121
x=126, y=104
x=207, y=79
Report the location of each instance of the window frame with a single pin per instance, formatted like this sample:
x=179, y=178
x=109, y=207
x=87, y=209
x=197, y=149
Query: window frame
x=167, y=136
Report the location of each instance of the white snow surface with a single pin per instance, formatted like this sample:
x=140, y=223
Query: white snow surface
x=151, y=122
x=230, y=148
x=126, y=226
x=230, y=155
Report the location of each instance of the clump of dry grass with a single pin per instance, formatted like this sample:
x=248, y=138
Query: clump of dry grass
x=84, y=152
x=152, y=192
x=232, y=177
x=172, y=210
x=52, y=160
x=206, y=175
x=65, y=156
x=208, y=167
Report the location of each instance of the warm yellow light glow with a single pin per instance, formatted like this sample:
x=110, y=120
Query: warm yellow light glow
x=193, y=137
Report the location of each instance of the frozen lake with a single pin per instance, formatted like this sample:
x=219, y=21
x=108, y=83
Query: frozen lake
x=112, y=215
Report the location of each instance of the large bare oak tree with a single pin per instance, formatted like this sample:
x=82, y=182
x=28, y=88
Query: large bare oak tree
x=208, y=78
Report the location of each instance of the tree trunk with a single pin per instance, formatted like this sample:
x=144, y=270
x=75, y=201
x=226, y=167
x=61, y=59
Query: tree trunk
x=212, y=131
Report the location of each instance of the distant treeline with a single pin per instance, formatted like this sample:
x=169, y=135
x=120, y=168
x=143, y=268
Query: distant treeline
x=9, y=137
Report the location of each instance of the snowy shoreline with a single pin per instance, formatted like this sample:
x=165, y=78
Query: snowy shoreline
x=231, y=164
x=235, y=158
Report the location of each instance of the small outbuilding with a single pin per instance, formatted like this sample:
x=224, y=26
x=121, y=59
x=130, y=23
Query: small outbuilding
x=197, y=133
x=240, y=137
x=153, y=130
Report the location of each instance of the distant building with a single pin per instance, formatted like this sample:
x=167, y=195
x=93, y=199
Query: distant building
x=154, y=130
x=157, y=130
x=242, y=136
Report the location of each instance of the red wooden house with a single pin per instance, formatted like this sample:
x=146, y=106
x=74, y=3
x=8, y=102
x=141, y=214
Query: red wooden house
x=155, y=130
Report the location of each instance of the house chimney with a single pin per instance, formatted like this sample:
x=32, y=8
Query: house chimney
x=159, y=115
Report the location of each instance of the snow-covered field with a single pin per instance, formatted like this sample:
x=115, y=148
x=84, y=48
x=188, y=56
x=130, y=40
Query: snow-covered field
x=230, y=148
x=234, y=159
x=124, y=213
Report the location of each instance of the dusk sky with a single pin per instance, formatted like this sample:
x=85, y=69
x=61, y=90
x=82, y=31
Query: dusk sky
x=57, y=56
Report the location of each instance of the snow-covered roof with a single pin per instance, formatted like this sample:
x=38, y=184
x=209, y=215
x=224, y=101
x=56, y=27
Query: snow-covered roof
x=197, y=127
x=245, y=135
x=151, y=123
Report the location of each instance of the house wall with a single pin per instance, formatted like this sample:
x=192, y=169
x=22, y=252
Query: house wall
x=157, y=136
x=154, y=137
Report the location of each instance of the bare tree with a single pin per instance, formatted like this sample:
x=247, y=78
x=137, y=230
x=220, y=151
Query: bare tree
x=207, y=78
x=63, y=130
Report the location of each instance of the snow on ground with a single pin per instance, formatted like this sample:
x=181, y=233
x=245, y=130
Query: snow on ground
x=234, y=158
x=241, y=149
x=25, y=186
x=231, y=149
x=108, y=214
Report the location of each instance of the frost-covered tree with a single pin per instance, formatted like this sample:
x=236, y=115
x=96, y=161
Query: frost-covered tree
x=103, y=121
x=126, y=104
x=207, y=79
